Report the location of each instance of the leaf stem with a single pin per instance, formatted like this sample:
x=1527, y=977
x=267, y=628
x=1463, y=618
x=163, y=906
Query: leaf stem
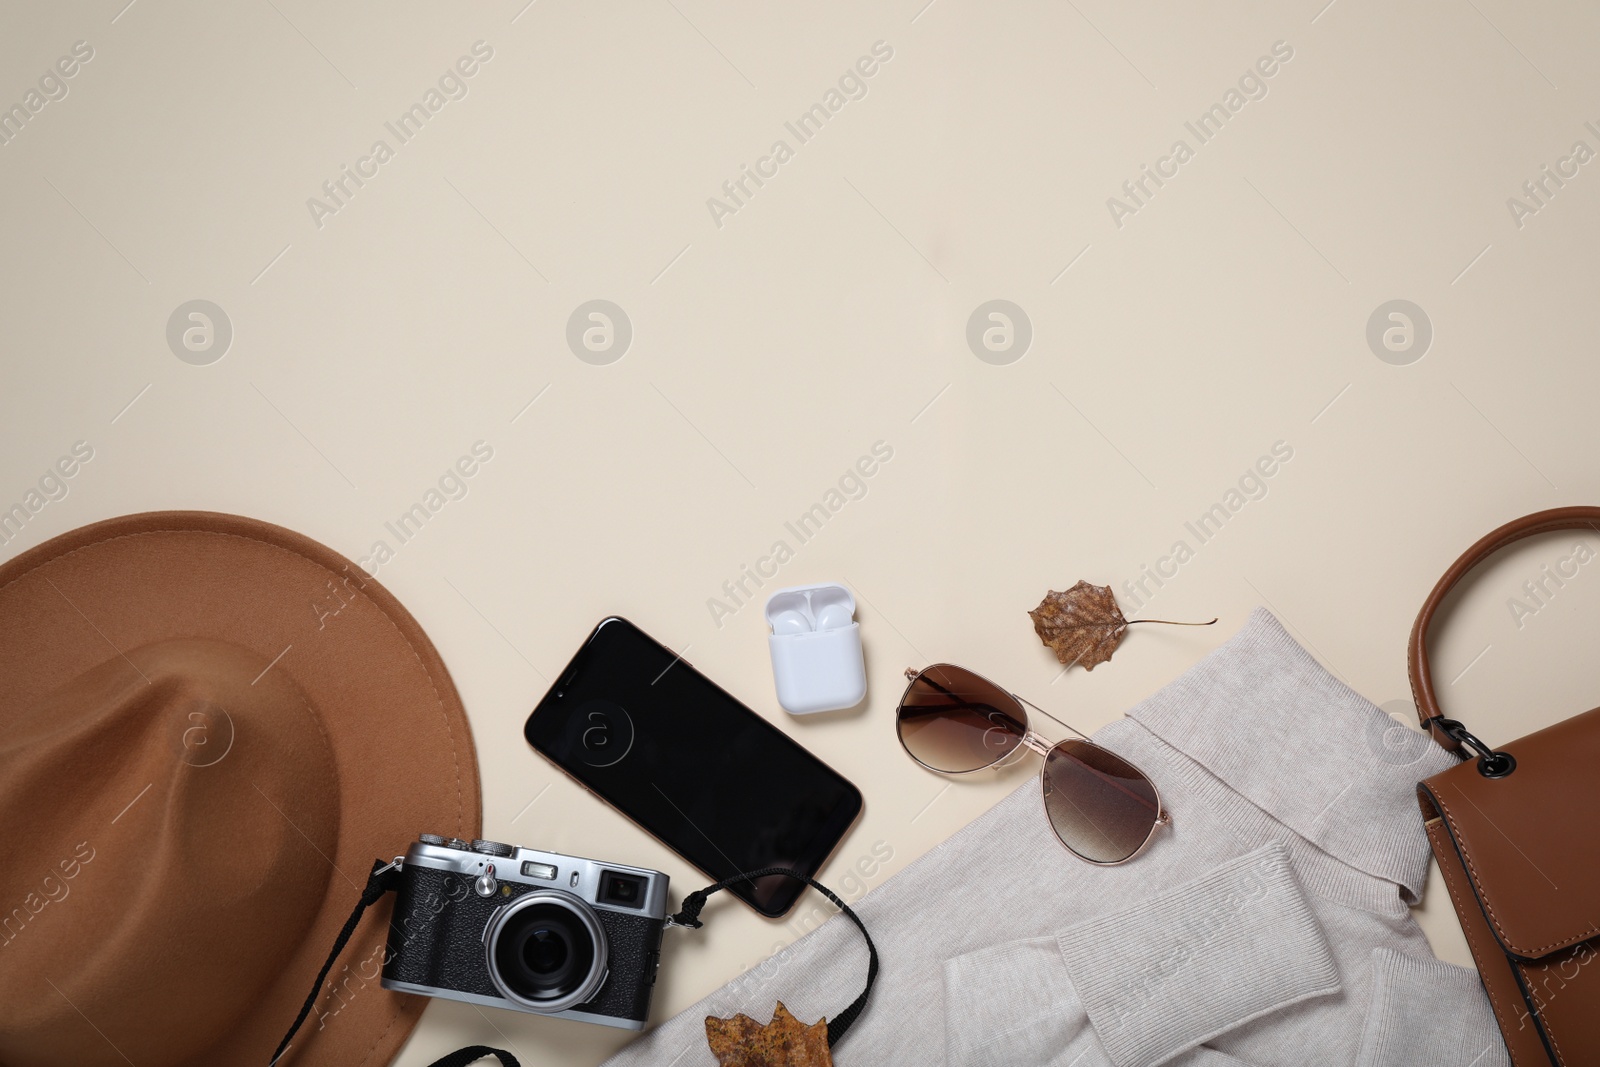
x=1169, y=622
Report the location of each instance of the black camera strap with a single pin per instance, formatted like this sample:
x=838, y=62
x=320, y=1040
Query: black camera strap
x=385, y=877
x=839, y=1024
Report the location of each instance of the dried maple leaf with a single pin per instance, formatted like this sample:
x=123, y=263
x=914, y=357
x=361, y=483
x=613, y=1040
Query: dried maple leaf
x=784, y=1042
x=1084, y=625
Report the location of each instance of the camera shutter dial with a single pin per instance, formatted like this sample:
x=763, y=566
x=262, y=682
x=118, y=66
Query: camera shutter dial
x=493, y=848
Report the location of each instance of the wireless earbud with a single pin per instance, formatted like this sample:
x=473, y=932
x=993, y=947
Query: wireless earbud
x=832, y=616
x=790, y=621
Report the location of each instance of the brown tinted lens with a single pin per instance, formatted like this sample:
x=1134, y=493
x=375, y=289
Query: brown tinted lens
x=1101, y=807
x=952, y=720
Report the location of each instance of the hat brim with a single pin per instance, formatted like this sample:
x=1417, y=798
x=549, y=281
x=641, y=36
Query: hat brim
x=395, y=724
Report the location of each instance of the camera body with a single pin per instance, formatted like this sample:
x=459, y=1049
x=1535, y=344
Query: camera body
x=532, y=931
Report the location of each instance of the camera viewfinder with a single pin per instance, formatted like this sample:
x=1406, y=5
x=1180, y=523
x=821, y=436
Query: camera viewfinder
x=621, y=890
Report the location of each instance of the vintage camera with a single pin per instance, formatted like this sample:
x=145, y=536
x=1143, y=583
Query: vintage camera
x=533, y=931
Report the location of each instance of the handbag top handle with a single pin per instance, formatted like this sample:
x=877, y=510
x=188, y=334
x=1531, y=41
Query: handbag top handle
x=1446, y=732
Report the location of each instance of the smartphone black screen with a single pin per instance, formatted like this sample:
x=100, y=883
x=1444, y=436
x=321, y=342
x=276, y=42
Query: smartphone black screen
x=708, y=777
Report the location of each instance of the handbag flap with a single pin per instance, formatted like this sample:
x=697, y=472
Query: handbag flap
x=1526, y=839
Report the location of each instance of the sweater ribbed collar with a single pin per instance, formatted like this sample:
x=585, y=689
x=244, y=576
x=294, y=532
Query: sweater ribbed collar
x=1267, y=720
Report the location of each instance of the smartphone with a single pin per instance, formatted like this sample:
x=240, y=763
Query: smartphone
x=705, y=775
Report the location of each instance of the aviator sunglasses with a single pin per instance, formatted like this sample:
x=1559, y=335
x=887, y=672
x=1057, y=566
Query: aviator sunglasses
x=1101, y=807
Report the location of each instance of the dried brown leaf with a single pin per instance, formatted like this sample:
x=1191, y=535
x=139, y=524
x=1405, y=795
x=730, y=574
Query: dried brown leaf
x=1083, y=624
x=784, y=1042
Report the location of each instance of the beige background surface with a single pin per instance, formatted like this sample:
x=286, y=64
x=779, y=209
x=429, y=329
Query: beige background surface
x=429, y=312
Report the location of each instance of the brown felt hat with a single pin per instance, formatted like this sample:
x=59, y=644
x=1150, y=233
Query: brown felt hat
x=210, y=727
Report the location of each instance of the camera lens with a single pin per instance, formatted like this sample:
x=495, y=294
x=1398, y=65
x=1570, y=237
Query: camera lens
x=623, y=890
x=546, y=951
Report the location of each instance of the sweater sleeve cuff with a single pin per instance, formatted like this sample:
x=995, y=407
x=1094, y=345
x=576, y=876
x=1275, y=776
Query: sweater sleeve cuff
x=1012, y=1006
x=1167, y=974
x=1428, y=1011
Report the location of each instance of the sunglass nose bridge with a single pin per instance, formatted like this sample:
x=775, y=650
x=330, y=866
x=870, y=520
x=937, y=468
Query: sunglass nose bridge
x=1039, y=744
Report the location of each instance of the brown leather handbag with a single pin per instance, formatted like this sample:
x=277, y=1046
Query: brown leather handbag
x=1515, y=833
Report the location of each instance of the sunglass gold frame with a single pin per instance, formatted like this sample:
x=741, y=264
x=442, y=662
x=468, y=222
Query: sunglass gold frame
x=1032, y=740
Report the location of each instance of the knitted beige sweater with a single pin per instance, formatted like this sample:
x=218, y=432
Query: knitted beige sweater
x=1269, y=927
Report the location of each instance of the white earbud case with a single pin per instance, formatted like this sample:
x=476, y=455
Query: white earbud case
x=816, y=648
